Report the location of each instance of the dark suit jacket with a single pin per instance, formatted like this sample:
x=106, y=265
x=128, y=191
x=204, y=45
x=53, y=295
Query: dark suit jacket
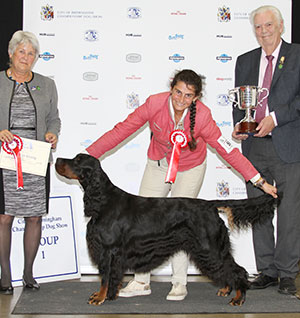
x=284, y=98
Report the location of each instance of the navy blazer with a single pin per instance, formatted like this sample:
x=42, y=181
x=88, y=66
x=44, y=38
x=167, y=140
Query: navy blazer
x=284, y=98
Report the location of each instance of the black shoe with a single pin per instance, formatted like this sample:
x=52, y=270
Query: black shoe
x=6, y=290
x=34, y=285
x=263, y=281
x=287, y=286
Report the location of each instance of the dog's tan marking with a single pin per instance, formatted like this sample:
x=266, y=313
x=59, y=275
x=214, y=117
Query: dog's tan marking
x=99, y=297
x=228, y=211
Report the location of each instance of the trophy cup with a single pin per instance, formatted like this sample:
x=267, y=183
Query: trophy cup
x=246, y=98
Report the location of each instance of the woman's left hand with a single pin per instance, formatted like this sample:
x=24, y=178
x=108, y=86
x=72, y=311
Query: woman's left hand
x=52, y=138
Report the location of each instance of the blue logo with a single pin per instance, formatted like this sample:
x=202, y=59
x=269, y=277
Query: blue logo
x=134, y=13
x=176, y=37
x=224, y=124
x=176, y=58
x=46, y=56
x=224, y=58
x=91, y=35
x=91, y=57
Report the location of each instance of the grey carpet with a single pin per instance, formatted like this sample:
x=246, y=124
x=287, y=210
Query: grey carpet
x=71, y=298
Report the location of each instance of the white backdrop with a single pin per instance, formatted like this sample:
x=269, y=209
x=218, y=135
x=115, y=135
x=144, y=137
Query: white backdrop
x=107, y=57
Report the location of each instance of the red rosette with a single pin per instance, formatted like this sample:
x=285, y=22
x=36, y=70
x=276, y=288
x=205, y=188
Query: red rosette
x=14, y=148
x=179, y=140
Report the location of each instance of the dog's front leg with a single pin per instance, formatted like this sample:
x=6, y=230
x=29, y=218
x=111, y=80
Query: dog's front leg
x=98, y=298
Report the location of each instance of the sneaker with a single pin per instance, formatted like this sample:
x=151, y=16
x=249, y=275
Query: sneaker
x=135, y=288
x=178, y=292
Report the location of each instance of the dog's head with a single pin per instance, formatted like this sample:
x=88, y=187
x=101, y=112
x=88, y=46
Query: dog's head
x=80, y=167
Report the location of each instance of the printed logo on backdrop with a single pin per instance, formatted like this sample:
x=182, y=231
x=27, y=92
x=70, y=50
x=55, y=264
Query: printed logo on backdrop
x=223, y=166
x=86, y=143
x=77, y=14
x=90, y=57
x=241, y=16
x=223, y=78
x=224, y=58
x=224, y=36
x=47, y=13
x=133, y=58
x=133, y=77
x=224, y=14
x=46, y=56
x=133, y=100
x=46, y=34
x=90, y=76
x=223, y=100
x=91, y=35
x=89, y=98
x=178, y=12
x=176, y=58
x=222, y=189
x=176, y=37
x=224, y=124
x=133, y=35
x=88, y=123
x=134, y=13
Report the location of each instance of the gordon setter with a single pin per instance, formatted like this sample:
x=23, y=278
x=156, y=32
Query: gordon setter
x=130, y=232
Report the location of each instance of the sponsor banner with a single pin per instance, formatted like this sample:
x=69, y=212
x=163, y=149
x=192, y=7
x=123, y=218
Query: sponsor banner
x=106, y=59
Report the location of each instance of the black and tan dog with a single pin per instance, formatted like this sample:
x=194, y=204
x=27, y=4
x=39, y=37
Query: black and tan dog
x=129, y=232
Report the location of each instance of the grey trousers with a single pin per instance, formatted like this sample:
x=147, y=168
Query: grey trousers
x=187, y=184
x=277, y=250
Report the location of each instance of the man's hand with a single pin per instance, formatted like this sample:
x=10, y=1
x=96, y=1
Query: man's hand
x=236, y=135
x=265, y=127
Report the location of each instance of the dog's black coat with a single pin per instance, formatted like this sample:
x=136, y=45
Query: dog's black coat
x=129, y=232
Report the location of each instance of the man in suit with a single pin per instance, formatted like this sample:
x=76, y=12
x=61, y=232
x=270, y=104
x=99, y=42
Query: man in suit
x=275, y=148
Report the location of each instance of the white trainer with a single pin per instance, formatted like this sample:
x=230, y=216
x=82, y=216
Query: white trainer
x=178, y=292
x=135, y=288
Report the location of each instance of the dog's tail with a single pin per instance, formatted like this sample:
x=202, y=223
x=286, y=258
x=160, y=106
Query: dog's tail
x=246, y=212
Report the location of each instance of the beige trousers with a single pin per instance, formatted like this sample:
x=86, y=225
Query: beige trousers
x=187, y=184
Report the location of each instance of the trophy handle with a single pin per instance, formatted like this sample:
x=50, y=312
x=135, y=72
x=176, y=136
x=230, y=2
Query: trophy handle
x=231, y=96
x=261, y=90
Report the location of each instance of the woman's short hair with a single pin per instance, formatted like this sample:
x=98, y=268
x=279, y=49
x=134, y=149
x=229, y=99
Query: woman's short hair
x=263, y=9
x=189, y=77
x=23, y=37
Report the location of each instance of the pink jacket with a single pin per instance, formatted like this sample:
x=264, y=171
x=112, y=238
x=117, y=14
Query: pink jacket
x=155, y=111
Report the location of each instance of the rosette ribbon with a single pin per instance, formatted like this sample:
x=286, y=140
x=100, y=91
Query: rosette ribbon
x=179, y=140
x=14, y=148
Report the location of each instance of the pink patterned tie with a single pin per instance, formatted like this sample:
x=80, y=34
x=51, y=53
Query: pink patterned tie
x=261, y=110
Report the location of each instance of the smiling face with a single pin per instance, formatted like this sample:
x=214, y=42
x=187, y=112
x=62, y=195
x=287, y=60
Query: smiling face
x=268, y=30
x=23, y=58
x=182, y=96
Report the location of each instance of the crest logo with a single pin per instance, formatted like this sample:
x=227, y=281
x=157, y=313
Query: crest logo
x=47, y=13
x=223, y=100
x=224, y=14
x=91, y=35
x=222, y=189
x=134, y=13
x=133, y=100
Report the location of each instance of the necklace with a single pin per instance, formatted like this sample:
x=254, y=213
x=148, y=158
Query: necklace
x=25, y=79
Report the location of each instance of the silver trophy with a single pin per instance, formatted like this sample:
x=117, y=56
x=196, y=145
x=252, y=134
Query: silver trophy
x=247, y=98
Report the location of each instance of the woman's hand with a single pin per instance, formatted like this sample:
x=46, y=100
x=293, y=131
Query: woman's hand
x=6, y=136
x=52, y=138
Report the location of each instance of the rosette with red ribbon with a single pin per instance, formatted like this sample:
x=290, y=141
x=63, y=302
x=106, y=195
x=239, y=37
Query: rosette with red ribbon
x=179, y=140
x=14, y=148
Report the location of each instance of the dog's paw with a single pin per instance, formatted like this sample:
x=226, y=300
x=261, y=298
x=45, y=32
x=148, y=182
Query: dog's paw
x=224, y=292
x=96, y=299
